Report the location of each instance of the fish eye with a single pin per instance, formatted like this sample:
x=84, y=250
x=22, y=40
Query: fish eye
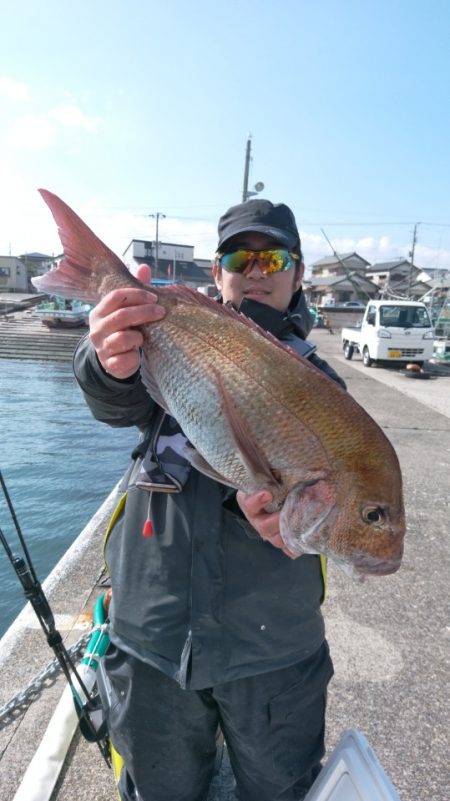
x=373, y=514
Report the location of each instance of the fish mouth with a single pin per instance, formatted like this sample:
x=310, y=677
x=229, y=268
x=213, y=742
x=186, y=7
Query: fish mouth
x=367, y=565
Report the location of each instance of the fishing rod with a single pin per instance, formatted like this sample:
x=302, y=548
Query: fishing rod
x=25, y=572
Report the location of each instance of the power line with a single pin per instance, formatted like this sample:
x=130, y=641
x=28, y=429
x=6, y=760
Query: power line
x=303, y=222
x=342, y=224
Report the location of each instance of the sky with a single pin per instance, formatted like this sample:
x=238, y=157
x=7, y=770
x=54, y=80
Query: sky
x=129, y=109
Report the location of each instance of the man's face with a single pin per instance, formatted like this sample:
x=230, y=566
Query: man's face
x=274, y=289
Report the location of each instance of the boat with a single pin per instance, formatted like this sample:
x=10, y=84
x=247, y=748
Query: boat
x=60, y=313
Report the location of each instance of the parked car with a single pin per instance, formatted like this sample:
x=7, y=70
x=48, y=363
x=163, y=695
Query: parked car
x=391, y=331
x=356, y=303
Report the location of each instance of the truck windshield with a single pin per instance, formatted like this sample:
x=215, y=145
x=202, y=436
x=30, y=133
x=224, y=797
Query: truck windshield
x=404, y=317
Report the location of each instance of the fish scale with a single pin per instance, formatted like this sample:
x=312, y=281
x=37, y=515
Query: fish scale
x=257, y=415
x=179, y=367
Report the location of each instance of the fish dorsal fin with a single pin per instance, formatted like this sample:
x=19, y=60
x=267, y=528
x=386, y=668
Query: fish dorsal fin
x=83, y=251
x=196, y=298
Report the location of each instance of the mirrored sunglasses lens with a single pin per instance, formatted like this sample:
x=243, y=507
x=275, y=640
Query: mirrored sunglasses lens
x=235, y=262
x=269, y=261
x=276, y=261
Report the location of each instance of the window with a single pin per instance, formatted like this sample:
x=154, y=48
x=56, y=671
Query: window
x=404, y=317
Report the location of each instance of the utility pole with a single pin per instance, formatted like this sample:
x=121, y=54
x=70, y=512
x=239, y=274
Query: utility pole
x=259, y=186
x=411, y=255
x=246, y=168
x=158, y=216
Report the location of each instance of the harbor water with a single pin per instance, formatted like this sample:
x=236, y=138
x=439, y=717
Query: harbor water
x=58, y=463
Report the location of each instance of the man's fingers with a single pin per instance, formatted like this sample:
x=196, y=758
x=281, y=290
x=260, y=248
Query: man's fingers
x=103, y=325
x=121, y=342
x=267, y=524
x=144, y=273
x=122, y=365
x=132, y=316
x=122, y=298
x=253, y=504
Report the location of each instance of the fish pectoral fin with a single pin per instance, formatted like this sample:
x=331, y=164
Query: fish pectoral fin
x=308, y=514
x=253, y=460
x=200, y=464
x=151, y=384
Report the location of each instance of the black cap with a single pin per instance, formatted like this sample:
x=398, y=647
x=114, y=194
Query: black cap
x=273, y=219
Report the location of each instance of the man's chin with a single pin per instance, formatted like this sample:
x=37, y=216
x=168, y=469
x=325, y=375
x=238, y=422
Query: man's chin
x=259, y=297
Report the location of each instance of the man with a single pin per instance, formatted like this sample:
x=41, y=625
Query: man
x=212, y=620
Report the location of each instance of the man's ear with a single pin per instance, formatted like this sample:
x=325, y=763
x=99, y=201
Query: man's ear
x=299, y=276
x=217, y=275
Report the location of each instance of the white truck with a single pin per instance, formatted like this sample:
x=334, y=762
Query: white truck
x=391, y=331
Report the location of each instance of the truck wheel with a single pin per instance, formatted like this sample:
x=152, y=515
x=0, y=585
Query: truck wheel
x=348, y=351
x=367, y=361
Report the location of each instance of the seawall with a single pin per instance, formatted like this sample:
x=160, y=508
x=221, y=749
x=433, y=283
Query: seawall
x=24, y=336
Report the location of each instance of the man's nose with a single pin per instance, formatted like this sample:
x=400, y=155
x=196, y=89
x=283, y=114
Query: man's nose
x=254, y=270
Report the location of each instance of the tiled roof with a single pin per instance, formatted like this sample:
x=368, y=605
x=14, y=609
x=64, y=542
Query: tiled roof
x=387, y=266
x=334, y=260
x=342, y=280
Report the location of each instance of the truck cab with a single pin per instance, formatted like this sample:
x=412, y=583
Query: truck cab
x=391, y=331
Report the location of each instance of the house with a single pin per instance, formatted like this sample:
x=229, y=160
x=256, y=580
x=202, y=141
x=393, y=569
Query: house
x=13, y=274
x=169, y=262
x=398, y=277
x=338, y=265
x=437, y=299
x=206, y=266
x=434, y=276
x=338, y=279
x=338, y=289
x=37, y=264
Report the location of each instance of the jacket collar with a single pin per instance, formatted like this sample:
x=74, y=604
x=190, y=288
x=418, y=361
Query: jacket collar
x=296, y=320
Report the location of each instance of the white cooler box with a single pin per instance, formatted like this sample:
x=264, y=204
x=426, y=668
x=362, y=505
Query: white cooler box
x=352, y=773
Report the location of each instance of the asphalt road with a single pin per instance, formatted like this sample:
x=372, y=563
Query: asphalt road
x=390, y=636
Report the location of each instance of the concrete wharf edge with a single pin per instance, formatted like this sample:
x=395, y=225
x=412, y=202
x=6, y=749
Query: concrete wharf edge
x=24, y=336
x=389, y=636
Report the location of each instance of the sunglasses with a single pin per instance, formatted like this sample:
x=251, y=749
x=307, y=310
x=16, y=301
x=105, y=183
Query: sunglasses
x=275, y=260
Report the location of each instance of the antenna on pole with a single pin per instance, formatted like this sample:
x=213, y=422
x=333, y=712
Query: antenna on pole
x=411, y=256
x=258, y=186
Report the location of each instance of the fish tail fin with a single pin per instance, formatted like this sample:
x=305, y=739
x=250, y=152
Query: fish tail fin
x=86, y=258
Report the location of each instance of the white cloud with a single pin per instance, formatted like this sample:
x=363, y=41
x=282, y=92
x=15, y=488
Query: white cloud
x=13, y=89
x=374, y=249
x=27, y=225
x=385, y=244
x=40, y=131
x=71, y=116
x=30, y=132
x=118, y=229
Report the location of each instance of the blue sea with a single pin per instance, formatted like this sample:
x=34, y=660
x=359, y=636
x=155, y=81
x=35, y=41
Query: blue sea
x=58, y=463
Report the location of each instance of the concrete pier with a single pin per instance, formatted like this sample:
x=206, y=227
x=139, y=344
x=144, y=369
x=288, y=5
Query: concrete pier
x=24, y=336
